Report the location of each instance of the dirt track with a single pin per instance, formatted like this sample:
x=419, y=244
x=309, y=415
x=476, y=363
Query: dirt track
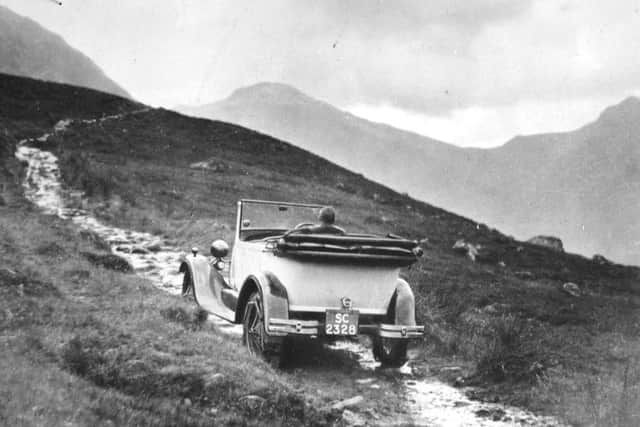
x=342, y=374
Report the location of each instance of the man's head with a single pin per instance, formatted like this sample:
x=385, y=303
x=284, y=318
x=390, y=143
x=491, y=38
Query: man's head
x=327, y=216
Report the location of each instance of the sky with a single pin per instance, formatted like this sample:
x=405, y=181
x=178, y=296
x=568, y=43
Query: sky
x=472, y=73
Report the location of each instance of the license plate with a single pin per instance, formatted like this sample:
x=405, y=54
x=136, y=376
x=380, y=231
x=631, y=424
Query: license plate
x=341, y=322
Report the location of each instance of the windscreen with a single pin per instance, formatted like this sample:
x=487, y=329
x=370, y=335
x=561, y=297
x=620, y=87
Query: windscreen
x=275, y=216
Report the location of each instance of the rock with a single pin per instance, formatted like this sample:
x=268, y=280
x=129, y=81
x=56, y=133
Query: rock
x=466, y=248
x=139, y=250
x=373, y=413
x=475, y=252
x=496, y=414
x=8, y=273
x=124, y=249
x=154, y=246
x=2, y=202
x=187, y=402
x=350, y=418
x=496, y=308
x=213, y=379
x=600, y=259
x=109, y=261
x=365, y=380
x=347, y=403
x=572, y=289
x=95, y=239
x=523, y=274
x=550, y=242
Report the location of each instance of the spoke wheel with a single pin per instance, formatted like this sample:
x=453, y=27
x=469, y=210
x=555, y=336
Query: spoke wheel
x=254, y=335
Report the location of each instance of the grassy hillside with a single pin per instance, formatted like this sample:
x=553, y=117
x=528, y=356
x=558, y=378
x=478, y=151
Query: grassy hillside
x=504, y=313
x=87, y=344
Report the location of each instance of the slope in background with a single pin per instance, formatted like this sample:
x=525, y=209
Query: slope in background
x=581, y=186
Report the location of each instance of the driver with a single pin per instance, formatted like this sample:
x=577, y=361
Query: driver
x=327, y=217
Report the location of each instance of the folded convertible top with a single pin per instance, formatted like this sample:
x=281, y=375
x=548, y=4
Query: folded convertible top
x=389, y=251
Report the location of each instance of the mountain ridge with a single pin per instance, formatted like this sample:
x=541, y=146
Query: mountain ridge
x=28, y=49
x=512, y=187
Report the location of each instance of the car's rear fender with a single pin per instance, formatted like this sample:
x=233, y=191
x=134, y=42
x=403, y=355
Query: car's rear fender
x=403, y=304
x=273, y=293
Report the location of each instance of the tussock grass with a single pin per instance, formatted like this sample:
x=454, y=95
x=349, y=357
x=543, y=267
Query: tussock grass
x=86, y=345
x=506, y=313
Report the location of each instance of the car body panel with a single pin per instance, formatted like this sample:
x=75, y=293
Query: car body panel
x=208, y=286
x=293, y=288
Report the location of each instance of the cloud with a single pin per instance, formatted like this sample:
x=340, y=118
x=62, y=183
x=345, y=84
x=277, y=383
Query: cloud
x=434, y=58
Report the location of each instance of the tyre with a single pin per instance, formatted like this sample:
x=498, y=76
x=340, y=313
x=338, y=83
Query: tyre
x=390, y=352
x=254, y=335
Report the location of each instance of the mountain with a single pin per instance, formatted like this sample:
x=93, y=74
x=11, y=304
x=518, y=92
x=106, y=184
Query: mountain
x=578, y=185
x=27, y=49
x=401, y=159
x=581, y=185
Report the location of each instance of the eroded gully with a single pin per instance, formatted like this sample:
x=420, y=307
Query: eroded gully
x=428, y=401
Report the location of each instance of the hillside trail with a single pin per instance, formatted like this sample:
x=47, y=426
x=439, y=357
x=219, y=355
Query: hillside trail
x=409, y=397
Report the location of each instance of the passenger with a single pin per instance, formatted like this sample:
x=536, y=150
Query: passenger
x=327, y=217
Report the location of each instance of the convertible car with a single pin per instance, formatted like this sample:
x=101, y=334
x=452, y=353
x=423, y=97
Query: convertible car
x=285, y=281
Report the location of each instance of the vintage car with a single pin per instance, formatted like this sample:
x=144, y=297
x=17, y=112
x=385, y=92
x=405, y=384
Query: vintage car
x=287, y=281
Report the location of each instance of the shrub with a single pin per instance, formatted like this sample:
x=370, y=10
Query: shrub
x=194, y=320
x=109, y=261
x=506, y=354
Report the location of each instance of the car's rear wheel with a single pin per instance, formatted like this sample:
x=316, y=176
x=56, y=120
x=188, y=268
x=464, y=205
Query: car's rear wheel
x=254, y=335
x=390, y=352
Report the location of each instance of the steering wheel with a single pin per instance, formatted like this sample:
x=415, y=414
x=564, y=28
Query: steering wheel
x=303, y=224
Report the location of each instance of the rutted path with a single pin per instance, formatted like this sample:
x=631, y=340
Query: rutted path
x=429, y=402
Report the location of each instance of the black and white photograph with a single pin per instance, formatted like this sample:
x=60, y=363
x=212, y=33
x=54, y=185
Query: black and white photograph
x=320, y=213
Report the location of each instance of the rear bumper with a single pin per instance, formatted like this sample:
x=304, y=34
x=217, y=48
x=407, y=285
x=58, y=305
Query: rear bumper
x=283, y=327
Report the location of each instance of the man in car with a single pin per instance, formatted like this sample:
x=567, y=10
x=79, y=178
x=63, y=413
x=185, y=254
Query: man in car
x=327, y=218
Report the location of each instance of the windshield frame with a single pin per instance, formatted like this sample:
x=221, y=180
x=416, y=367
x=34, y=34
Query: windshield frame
x=241, y=234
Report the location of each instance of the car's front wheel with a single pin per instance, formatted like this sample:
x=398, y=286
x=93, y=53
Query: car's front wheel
x=254, y=335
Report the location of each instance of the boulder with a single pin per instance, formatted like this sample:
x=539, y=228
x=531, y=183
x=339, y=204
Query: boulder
x=139, y=250
x=600, y=259
x=466, y=248
x=572, y=289
x=550, y=242
x=154, y=246
x=347, y=403
x=475, y=252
